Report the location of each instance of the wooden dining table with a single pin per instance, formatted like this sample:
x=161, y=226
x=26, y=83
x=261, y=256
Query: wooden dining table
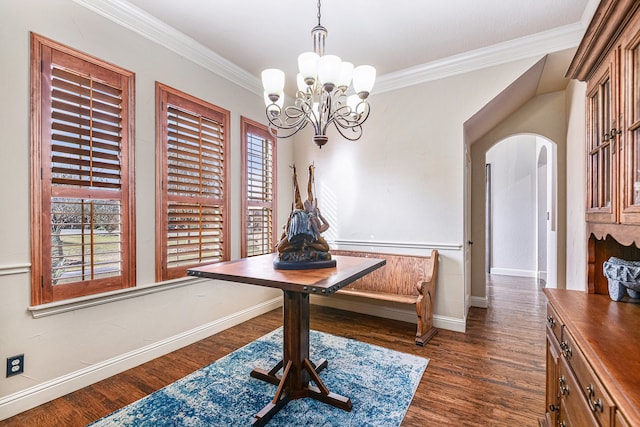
x=297, y=368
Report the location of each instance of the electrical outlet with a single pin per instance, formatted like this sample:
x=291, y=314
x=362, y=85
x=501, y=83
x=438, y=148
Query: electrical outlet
x=15, y=365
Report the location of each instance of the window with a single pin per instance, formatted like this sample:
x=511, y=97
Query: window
x=192, y=196
x=82, y=209
x=259, y=189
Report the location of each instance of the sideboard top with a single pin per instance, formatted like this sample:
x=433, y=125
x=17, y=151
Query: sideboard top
x=608, y=334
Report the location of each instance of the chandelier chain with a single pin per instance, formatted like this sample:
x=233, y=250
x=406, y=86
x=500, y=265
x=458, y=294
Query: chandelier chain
x=318, y=12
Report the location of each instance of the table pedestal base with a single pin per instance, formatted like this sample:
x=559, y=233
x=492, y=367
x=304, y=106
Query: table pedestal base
x=298, y=368
x=282, y=397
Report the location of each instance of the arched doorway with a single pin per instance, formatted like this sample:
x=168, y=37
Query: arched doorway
x=514, y=228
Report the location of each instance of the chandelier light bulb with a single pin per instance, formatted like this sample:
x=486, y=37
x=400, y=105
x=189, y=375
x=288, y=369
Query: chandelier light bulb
x=273, y=82
x=308, y=66
x=364, y=76
x=329, y=67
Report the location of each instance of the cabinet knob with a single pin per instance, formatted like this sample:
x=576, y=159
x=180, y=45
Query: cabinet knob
x=551, y=321
x=594, y=404
x=564, y=388
x=566, y=350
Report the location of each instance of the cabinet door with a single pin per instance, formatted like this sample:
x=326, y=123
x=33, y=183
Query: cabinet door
x=630, y=193
x=552, y=394
x=602, y=159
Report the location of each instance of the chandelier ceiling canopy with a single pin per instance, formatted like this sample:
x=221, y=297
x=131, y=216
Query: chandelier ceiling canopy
x=330, y=91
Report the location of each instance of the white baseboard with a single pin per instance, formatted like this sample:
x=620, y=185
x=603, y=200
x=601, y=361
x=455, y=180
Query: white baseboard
x=359, y=305
x=480, y=302
x=514, y=272
x=31, y=397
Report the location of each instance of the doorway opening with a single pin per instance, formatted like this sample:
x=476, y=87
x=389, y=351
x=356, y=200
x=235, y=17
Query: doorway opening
x=520, y=211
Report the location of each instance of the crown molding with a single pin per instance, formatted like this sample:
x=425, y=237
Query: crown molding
x=533, y=46
x=140, y=22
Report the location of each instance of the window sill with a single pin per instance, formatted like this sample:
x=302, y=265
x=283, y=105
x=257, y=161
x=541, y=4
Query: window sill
x=59, y=307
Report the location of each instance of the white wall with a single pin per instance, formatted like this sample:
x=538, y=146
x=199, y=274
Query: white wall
x=513, y=213
x=69, y=350
x=576, y=277
x=400, y=187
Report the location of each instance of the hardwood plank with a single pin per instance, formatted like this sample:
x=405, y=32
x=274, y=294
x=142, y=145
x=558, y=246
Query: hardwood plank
x=494, y=374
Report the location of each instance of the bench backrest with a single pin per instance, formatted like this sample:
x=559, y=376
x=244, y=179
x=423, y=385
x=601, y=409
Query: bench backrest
x=400, y=274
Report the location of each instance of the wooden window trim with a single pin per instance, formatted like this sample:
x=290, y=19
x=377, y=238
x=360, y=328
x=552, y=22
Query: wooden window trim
x=166, y=95
x=248, y=125
x=42, y=290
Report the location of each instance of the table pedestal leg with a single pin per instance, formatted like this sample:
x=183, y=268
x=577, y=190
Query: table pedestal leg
x=298, y=369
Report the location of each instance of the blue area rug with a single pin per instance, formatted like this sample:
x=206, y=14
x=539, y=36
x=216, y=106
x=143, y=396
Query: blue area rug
x=379, y=382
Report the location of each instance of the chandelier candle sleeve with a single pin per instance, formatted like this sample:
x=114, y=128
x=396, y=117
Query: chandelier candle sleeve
x=330, y=92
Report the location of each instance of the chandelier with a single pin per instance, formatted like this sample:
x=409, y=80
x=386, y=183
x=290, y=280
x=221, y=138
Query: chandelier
x=330, y=91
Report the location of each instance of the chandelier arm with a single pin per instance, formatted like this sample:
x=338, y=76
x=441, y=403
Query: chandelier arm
x=294, y=119
x=356, y=130
x=276, y=119
x=343, y=116
x=310, y=113
x=337, y=97
x=324, y=113
x=284, y=132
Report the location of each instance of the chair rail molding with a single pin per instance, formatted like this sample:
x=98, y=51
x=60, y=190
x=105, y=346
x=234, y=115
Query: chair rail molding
x=372, y=244
x=10, y=269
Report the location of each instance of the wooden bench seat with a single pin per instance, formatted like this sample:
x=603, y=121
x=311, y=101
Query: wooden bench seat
x=407, y=279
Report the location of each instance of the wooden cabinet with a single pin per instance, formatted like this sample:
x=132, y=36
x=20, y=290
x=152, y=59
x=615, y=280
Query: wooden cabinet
x=593, y=351
x=608, y=60
x=593, y=343
x=630, y=57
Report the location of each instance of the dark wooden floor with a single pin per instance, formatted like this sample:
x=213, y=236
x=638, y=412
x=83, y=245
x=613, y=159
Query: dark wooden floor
x=493, y=375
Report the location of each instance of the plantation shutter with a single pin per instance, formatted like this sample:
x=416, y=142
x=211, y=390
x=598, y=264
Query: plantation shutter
x=259, y=185
x=83, y=155
x=194, y=185
x=86, y=128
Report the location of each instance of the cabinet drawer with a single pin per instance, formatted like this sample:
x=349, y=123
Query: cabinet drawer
x=598, y=401
x=574, y=409
x=553, y=322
